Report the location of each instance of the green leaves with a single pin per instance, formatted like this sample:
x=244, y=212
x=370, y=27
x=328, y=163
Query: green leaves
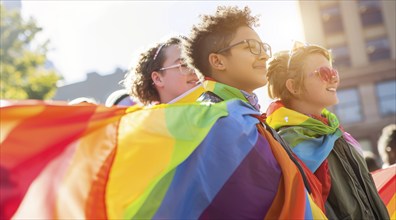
x=22, y=67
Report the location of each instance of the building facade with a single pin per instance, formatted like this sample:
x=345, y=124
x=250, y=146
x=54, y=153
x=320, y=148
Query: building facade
x=361, y=35
x=96, y=86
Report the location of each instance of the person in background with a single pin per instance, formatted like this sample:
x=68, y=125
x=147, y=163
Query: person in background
x=83, y=100
x=305, y=83
x=161, y=74
x=387, y=145
x=119, y=98
x=371, y=161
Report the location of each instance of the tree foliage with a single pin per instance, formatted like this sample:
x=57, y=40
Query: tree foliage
x=22, y=65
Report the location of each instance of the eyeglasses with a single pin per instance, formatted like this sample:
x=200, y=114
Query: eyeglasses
x=297, y=45
x=326, y=74
x=255, y=47
x=298, y=48
x=183, y=68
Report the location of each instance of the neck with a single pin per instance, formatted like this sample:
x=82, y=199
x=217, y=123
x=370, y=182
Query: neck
x=227, y=92
x=227, y=81
x=164, y=98
x=304, y=107
x=236, y=86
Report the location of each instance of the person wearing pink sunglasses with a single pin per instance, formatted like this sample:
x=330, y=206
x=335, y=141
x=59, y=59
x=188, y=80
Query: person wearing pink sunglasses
x=304, y=83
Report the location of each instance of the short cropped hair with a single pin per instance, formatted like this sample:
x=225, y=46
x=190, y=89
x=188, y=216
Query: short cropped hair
x=214, y=33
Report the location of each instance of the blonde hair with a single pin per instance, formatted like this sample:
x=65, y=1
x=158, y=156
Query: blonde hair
x=285, y=65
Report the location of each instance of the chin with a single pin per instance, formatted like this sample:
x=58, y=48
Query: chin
x=331, y=103
x=336, y=101
x=261, y=82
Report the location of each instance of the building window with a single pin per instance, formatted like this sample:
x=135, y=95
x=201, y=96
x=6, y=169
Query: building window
x=370, y=12
x=378, y=49
x=332, y=21
x=386, y=92
x=349, y=108
x=341, y=56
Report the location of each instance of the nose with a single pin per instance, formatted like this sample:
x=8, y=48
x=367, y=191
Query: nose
x=191, y=72
x=263, y=55
x=334, y=79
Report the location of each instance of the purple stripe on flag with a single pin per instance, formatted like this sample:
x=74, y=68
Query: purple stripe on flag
x=198, y=179
x=249, y=192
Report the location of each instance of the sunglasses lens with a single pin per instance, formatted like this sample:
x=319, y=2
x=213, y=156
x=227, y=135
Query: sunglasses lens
x=327, y=74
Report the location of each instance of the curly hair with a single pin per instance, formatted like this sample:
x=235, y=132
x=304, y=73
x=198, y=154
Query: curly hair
x=138, y=80
x=214, y=33
x=387, y=139
x=283, y=67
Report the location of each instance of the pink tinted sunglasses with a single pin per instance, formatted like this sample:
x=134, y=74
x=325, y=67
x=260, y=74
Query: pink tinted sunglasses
x=326, y=74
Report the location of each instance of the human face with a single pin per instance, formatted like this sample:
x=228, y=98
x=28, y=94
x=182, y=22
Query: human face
x=319, y=92
x=391, y=153
x=173, y=81
x=243, y=69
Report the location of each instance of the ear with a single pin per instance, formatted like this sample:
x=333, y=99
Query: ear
x=157, y=79
x=217, y=61
x=291, y=86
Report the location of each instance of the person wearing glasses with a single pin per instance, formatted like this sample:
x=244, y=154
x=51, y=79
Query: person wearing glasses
x=229, y=54
x=160, y=75
x=232, y=56
x=305, y=83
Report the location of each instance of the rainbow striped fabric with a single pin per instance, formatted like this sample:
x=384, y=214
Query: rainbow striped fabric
x=385, y=181
x=310, y=139
x=179, y=161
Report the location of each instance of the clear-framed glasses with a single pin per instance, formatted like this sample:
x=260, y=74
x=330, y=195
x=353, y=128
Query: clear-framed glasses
x=297, y=45
x=255, y=47
x=298, y=48
x=326, y=74
x=183, y=68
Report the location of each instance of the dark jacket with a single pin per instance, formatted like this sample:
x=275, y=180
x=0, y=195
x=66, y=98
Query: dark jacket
x=353, y=194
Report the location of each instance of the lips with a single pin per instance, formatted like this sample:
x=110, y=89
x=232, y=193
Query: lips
x=260, y=67
x=193, y=81
x=332, y=89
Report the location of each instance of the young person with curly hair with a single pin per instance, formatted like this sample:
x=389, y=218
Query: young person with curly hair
x=229, y=54
x=305, y=84
x=160, y=74
x=226, y=49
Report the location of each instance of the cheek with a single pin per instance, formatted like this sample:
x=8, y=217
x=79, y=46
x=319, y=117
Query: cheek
x=242, y=62
x=178, y=82
x=169, y=83
x=314, y=90
x=310, y=86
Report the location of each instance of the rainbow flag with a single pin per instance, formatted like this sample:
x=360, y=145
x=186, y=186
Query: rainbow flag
x=385, y=181
x=179, y=161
